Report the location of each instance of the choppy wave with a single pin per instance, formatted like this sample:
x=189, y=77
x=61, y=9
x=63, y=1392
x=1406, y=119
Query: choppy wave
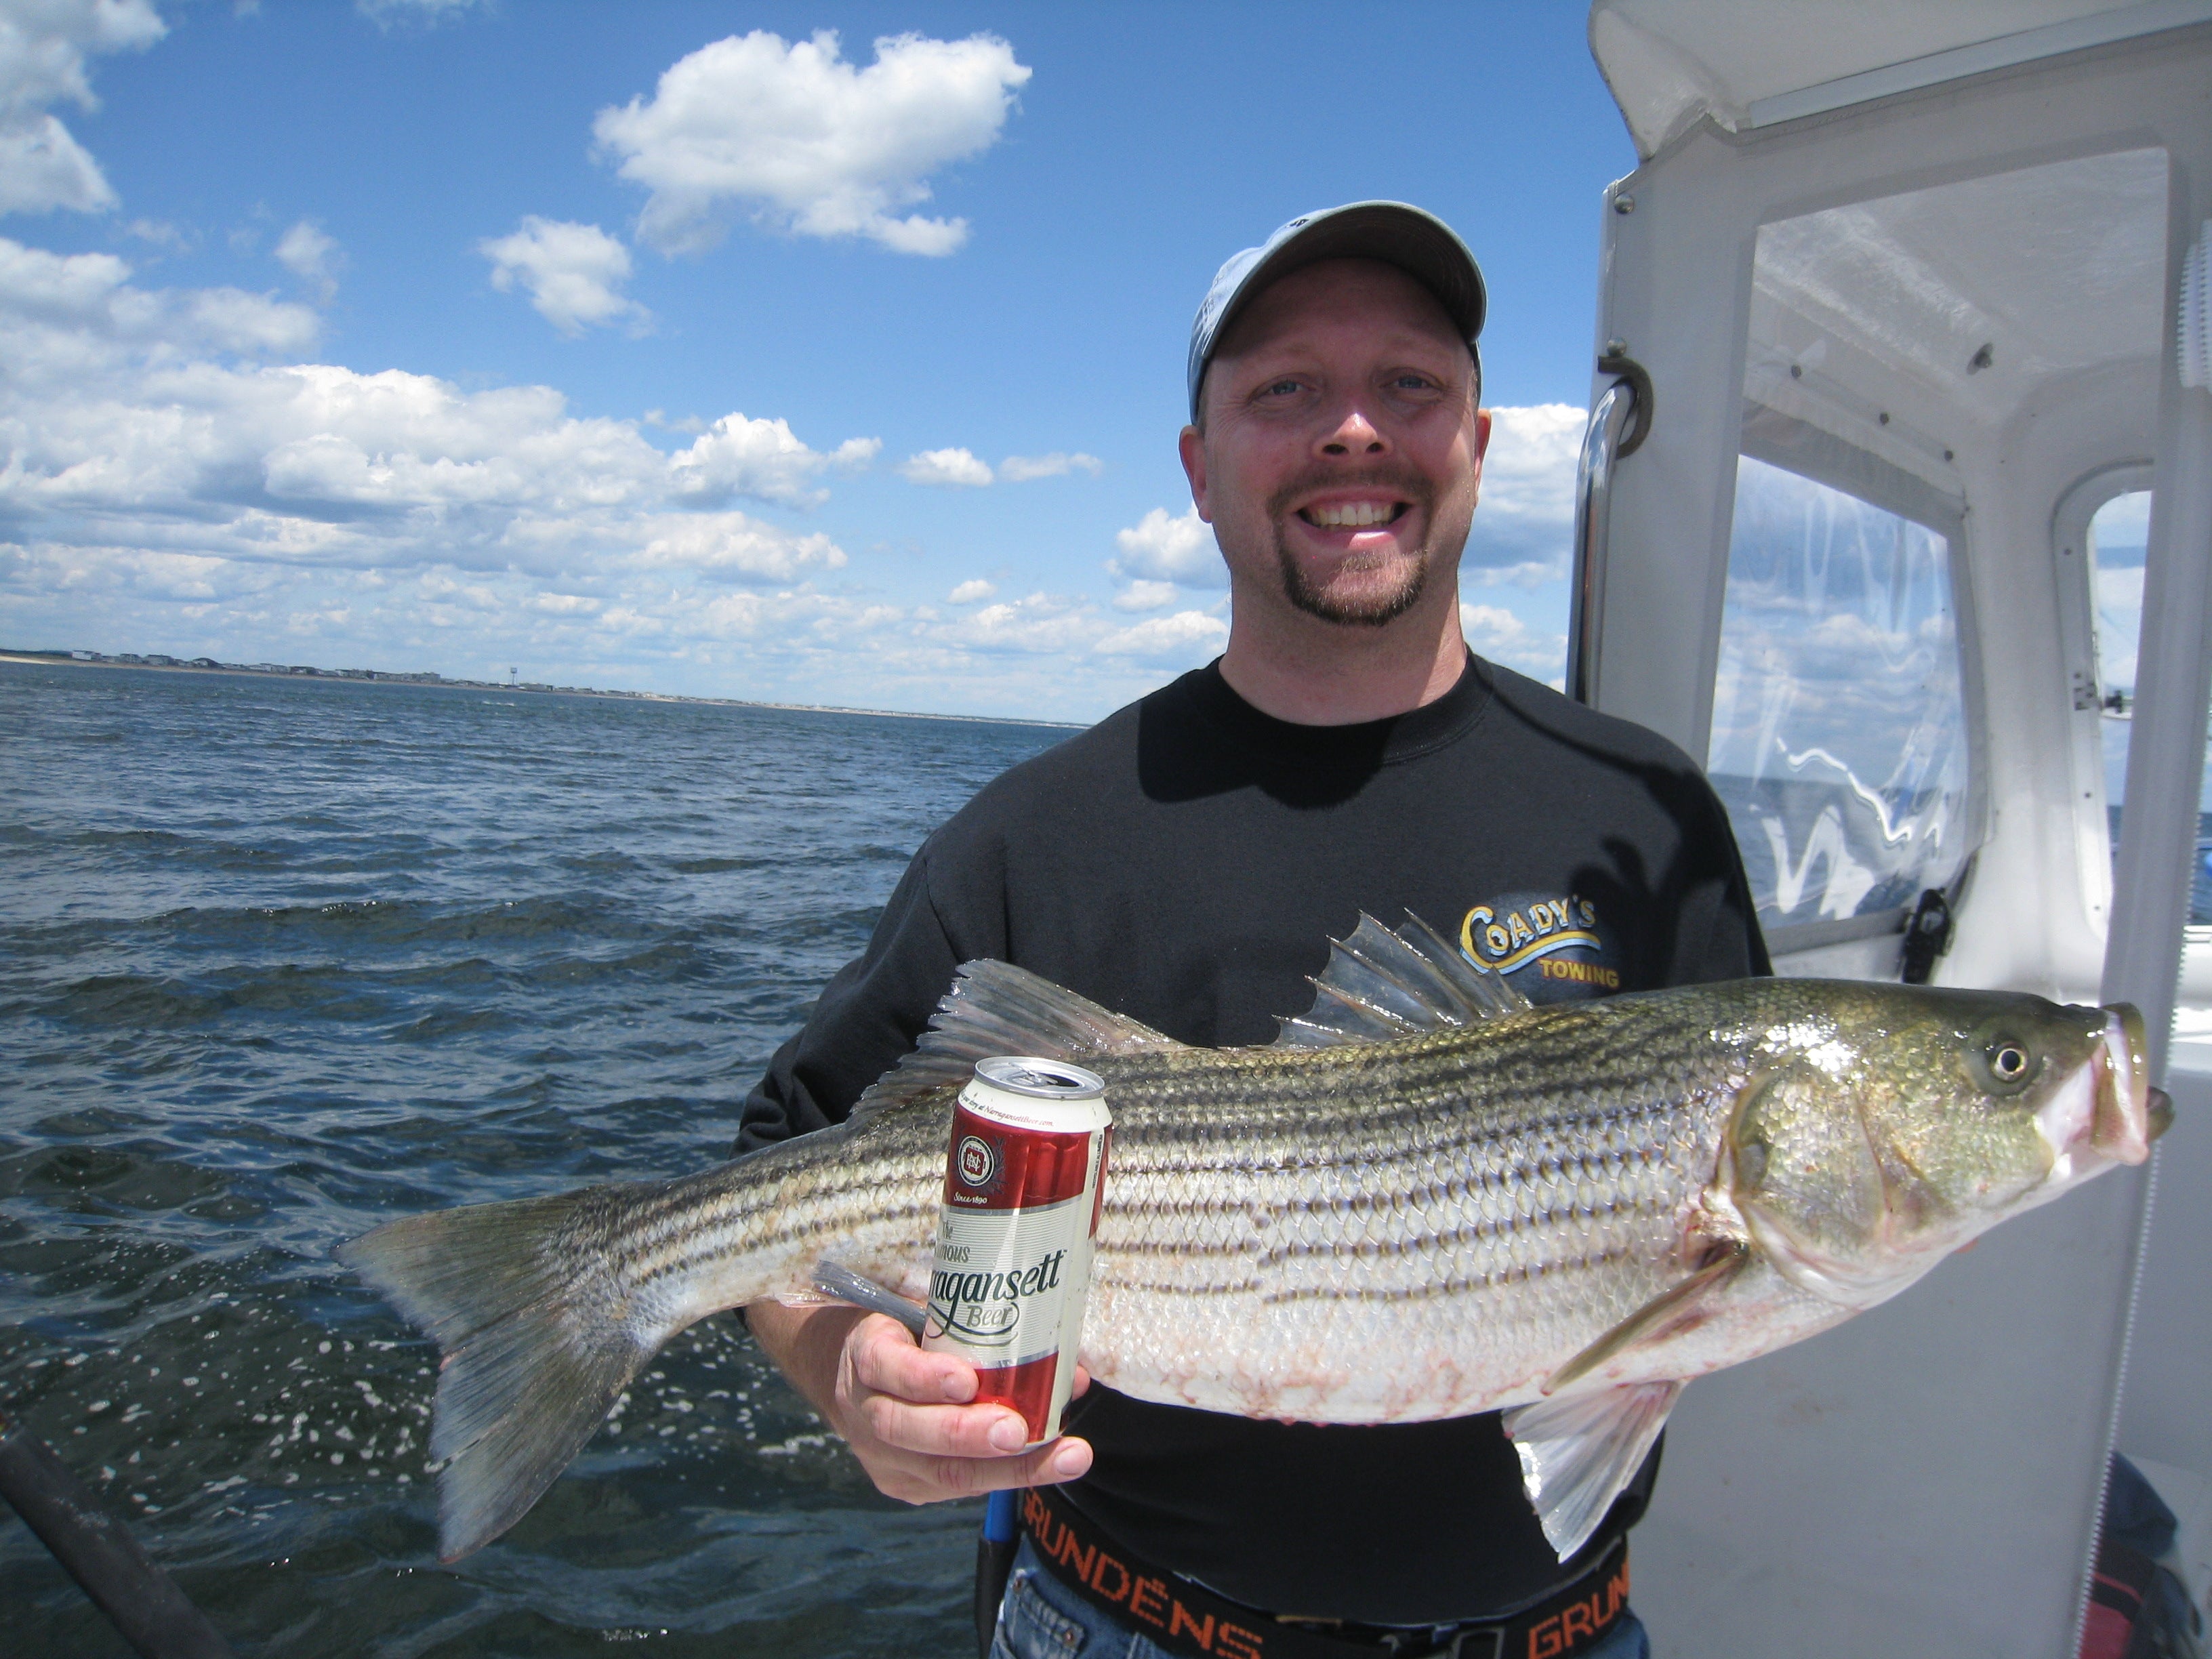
x=278, y=962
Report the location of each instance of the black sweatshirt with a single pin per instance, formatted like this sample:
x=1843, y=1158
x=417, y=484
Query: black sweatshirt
x=1186, y=862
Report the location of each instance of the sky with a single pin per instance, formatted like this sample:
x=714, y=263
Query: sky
x=827, y=354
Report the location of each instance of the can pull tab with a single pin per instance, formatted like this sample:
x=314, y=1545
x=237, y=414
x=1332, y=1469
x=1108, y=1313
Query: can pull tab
x=1049, y=1079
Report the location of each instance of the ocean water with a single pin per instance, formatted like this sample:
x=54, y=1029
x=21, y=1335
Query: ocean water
x=279, y=961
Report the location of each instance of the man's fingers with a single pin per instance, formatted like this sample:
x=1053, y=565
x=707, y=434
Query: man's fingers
x=886, y=1359
x=1064, y=1459
x=945, y=1431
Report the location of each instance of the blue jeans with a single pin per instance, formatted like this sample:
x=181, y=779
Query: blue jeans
x=1043, y=1619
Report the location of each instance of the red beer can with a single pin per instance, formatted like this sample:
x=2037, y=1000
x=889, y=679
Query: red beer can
x=1022, y=1179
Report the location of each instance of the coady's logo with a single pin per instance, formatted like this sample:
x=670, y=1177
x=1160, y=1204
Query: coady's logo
x=1512, y=932
x=977, y=1162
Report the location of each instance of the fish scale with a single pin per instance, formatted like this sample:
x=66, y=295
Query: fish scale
x=1601, y=1199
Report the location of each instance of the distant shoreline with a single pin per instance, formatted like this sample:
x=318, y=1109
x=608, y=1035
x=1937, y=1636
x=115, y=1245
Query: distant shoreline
x=438, y=683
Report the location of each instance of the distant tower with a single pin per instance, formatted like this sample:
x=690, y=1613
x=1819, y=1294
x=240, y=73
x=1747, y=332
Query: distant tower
x=513, y=674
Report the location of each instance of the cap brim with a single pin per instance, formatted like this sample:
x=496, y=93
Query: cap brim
x=1396, y=233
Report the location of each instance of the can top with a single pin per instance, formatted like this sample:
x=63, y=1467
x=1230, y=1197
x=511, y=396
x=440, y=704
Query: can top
x=1040, y=1079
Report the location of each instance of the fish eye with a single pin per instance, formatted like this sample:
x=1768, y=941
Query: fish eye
x=2008, y=1064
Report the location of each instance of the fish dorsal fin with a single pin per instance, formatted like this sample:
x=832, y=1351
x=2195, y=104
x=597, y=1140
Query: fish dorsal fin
x=1380, y=985
x=996, y=1008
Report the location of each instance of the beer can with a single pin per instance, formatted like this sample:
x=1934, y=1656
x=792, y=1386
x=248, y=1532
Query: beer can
x=1022, y=1182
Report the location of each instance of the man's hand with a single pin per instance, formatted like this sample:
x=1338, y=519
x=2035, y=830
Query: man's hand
x=906, y=1413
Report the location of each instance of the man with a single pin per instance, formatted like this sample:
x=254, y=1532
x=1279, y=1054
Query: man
x=1185, y=862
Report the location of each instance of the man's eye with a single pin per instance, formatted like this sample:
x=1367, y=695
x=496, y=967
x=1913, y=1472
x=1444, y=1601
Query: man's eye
x=1281, y=389
x=1412, y=383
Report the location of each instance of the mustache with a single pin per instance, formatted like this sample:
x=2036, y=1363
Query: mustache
x=1402, y=482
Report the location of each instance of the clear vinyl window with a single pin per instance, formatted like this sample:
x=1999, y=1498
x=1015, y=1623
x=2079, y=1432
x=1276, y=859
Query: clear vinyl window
x=1839, y=732
x=2117, y=535
x=2116, y=538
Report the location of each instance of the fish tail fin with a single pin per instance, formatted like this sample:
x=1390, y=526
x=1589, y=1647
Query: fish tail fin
x=539, y=1337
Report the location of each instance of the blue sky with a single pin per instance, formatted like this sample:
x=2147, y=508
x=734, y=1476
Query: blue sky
x=669, y=346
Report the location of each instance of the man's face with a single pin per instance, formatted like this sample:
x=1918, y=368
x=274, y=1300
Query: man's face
x=1342, y=447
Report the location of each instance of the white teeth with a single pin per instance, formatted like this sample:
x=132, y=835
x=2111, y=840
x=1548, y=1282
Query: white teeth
x=1351, y=515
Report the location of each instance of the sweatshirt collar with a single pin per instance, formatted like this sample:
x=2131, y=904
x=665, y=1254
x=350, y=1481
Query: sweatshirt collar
x=1394, y=737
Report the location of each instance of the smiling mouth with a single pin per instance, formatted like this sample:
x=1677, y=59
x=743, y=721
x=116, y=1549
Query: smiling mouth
x=1353, y=515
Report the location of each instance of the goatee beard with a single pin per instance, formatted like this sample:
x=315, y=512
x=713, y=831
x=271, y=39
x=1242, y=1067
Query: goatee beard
x=1369, y=610
x=1373, y=610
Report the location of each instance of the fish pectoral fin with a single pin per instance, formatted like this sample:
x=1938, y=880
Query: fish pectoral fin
x=833, y=1282
x=1661, y=1315
x=1379, y=985
x=1577, y=1453
x=996, y=1008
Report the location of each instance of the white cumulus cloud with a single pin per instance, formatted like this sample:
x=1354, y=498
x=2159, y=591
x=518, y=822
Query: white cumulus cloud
x=70, y=315
x=974, y=591
x=1020, y=469
x=957, y=468
x=313, y=255
x=1500, y=636
x=572, y=273
x=763, y=459
x=1526, y=517
x=808, y=143
x=730, y=546
x=1179, y=549
x=179, y=424
x=1179, y=637
x=44, y=46
x=1145, y=596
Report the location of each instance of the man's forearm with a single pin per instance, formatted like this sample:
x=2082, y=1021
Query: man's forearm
x=807, y=1344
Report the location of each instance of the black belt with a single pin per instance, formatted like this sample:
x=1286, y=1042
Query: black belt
x=1187, y=1619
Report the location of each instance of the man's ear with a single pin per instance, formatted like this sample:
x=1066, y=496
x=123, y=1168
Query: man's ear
x=1192, y=447
x=1481, y=446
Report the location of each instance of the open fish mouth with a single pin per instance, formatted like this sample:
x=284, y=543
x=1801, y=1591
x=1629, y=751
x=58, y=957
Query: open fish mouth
x=2131, y=1114
x=2108, y=1112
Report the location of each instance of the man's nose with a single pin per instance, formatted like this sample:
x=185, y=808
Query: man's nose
x=1353, y=435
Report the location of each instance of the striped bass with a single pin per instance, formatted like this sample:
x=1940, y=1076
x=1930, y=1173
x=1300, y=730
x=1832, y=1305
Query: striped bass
x=1427, y=1199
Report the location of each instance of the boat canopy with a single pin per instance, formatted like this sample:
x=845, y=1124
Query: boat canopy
x=1744, y=63
x=1896, y=511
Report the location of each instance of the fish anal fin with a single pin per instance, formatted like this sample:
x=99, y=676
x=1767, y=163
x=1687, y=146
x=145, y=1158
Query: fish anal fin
x=1663, y=1314
x=996, y=1008
x=1578, y=1451
x=1379, y=985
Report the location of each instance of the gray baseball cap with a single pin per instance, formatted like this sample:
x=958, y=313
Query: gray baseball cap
x=1418, y=243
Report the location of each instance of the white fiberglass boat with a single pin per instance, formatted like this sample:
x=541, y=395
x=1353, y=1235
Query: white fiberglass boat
x=1898, y=508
